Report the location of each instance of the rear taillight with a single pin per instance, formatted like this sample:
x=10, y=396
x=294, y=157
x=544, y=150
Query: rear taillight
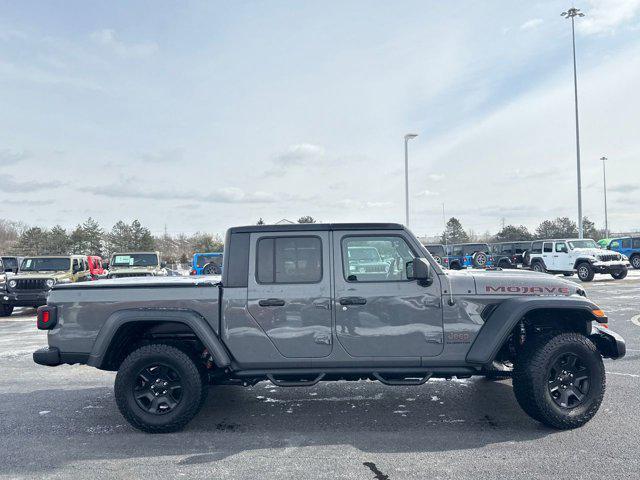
x=47, y=317
x=193, y=272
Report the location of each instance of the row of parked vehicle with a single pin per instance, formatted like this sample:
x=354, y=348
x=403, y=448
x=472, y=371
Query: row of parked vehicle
x=566, y=256
x=26, y=281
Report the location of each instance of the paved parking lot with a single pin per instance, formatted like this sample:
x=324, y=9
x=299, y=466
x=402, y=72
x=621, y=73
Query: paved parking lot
x=63, y=422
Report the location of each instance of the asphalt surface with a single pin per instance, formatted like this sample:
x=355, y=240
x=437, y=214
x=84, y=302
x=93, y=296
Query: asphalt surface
x=63, y=423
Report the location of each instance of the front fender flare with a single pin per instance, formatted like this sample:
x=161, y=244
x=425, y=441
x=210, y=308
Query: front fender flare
x=188, y=317
x=505, y=317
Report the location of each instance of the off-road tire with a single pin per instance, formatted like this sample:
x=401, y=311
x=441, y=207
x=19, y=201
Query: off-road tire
x=538, y=266
x=438, y=259
x=505, y=264
x=191, y=377
x=531, y=379
x=6, y=310
x=479, y=260
x=211, y=269
x=620, y=274
x=585, y=271
x=526, y=258
x=635, y=261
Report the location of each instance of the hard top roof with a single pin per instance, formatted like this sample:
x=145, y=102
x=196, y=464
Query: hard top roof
x=314, y=227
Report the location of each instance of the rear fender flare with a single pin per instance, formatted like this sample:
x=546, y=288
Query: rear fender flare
x=187, y=317
x=505, y=317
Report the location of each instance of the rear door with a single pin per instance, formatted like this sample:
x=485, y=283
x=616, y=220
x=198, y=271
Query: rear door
x=547, y=255
x=289, y=291
x=379, y=313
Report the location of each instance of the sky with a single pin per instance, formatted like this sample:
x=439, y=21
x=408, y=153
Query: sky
x=198, y=116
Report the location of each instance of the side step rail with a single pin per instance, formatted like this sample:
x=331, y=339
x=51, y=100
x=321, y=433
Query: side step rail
x=403, y=381
x=295, y=383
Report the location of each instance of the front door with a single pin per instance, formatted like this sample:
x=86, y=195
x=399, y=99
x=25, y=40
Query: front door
x=289, y=291
x=379, y=312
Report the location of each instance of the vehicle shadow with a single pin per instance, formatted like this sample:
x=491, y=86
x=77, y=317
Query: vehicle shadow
x=436, y=417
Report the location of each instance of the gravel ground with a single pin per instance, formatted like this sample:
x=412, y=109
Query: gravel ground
x=63, y=423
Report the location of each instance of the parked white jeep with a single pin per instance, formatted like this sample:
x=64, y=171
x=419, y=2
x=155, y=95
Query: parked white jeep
x=583, y=256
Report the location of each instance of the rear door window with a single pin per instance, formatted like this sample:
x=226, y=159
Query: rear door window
x=548, y=247
x=289, y=260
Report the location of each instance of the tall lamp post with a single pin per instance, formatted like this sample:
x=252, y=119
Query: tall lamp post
x=604, y=178
x=572, y=13
x=407, y=137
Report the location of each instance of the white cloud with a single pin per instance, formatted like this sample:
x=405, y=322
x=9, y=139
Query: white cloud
x=605, y=16
x=9, y=157
x=107, y=38
x=531, y=24
x=302, y=154
x=427, y=193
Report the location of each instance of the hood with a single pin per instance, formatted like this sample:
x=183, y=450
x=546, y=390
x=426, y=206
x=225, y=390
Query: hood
x=133, y=269
x=589, y=251
x=510, y=283
x=39, y=275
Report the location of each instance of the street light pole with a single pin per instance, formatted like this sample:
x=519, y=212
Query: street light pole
x=407, y=137
x=604, y=178
x=572, y=13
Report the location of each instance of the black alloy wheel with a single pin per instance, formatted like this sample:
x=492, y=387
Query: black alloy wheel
x=569, y=380
x=158, y=389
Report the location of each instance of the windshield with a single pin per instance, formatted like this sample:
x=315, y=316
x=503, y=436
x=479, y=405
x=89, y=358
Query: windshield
x=10, y=262
x=202, y=260
x=364, y=254
x=45, y=264
x=583, y=244
x=135, y=260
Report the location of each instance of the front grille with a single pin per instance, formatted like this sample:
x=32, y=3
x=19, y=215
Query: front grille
x=123, y=275
x=30, y=284
x=609, y=258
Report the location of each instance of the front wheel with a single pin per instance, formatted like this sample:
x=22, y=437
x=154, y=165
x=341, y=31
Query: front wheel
x=559, y=380
x=6, y=310
x=619, y=274
x=159, y=388
x=635, y=262
x=586, y=272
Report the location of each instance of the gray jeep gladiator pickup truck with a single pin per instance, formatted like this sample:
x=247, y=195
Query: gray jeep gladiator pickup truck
x=289, y=308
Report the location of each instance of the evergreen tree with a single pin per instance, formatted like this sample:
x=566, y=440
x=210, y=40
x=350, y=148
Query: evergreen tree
x=512, y=233
x=57, y=241
x=454, y=233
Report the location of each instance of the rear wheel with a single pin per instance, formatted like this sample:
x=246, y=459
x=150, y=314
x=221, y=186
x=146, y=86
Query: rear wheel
x=538, y=267
x=559, y=380
x=619, y=274
x=585, y=272
x=6, y=310
x=159, y=388
x=635, y=261
x=504, y=263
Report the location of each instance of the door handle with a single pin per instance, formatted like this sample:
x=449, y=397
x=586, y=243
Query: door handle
x=353, y=301
x=271, y=302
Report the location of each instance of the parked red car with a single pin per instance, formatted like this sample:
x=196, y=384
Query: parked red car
x=95, y=267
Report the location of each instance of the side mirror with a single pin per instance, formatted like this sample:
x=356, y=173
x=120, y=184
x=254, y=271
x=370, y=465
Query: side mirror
x=163, y=264
x=418, y=269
